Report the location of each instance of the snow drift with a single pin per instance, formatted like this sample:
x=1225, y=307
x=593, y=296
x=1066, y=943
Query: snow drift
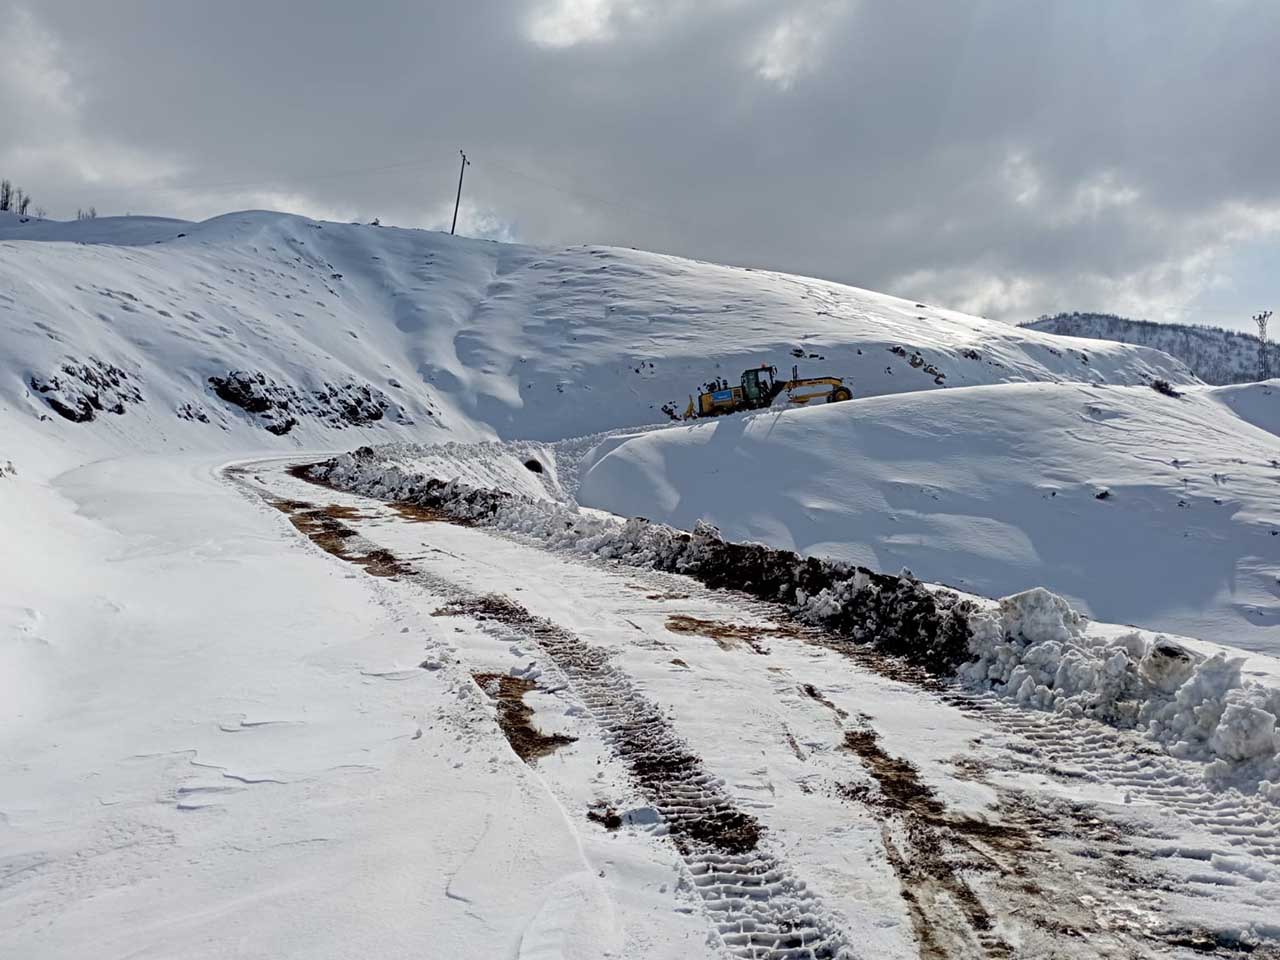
x=1139, y=506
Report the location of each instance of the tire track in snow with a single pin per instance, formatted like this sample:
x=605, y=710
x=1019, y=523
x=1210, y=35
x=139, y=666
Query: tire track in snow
x=736, y=878
x=1118, y=866
x=1077, y=749
x=760, y=908
x=1064, y=747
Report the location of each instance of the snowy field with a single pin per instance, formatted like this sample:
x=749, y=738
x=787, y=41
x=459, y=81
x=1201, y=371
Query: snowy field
x=244, y=715
x=994, y=490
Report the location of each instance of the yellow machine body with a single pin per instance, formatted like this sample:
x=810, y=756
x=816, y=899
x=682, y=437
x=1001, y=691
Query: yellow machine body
x=759, y=388
x=809, y=389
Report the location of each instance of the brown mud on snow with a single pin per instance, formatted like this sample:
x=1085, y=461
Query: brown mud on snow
x=324, y=527
x=606, y=816
x=728, y=636
x=813, y=693
x=515, y=717
x=699, y=815
x=490, y=606
x=925, y=845
x=419, y=514
x=942, y=859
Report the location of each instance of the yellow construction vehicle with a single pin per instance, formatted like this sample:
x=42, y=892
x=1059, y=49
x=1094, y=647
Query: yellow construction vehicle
x=759, y=387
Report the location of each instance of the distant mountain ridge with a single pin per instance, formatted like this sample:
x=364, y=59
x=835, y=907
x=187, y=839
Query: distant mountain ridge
x=1214, y=354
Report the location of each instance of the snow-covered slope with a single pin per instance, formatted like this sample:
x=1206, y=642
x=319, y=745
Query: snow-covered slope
x=314, y=330
x=1216, y=355
x=224, y=732
x=1141, y=507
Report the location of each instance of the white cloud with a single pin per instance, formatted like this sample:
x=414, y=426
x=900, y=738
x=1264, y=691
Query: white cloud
x=1022, y=178
x=567, y=23
x=794, y=44
x=1099, y=193
x=473, y=221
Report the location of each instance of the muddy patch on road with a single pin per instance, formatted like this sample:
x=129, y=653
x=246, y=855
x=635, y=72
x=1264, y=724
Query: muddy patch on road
x=490, y=606
x=813, y=693
x=324, y=527
x=920, y=845
x=515, y=717
x=699, y=814
x=728, y=636
x=1023, y=862
x=419, y=514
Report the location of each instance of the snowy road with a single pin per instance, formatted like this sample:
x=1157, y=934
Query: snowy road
x=822, y=803
x=233, y=740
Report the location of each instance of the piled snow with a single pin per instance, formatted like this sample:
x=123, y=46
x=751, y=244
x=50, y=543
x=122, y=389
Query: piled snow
x=450, y=338
x=1031, y=647
x=1139, y=507
x=526, y=468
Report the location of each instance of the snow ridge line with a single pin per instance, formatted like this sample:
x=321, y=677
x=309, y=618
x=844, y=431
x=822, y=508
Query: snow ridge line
x=1030, y=648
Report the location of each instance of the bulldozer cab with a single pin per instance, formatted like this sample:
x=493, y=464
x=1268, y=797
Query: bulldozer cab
x=757, y=385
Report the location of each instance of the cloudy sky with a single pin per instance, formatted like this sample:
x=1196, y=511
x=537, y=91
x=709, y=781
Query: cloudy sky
x=1008, y=158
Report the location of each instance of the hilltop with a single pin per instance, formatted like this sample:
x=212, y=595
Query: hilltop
x=1214, y=354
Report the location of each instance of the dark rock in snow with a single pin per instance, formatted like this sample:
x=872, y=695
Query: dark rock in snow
x=79, y=391
x=279, y=406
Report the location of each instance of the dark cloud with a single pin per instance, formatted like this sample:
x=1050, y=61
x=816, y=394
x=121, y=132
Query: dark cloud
x=1009, y=158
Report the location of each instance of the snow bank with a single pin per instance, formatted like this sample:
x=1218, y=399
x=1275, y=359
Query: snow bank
x=526, y=468
x=1138, y=507
x=1031, y=647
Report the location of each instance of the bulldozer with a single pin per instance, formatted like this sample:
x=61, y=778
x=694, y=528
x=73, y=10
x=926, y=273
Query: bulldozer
x=759, y=387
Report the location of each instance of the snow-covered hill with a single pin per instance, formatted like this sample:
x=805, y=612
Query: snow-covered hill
x=161, y=334
x=1140, y=507
x=1216, y=355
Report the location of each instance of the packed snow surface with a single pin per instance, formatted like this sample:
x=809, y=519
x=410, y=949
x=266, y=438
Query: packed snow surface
x=1140, y=507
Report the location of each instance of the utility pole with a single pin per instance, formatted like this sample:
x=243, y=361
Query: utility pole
x=1264, y=367
x=458, y=200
